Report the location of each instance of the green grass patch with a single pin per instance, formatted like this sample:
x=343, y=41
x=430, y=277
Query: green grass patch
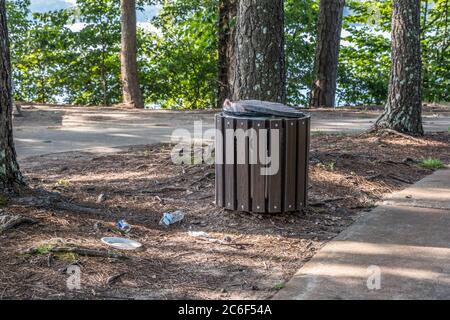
x=318, y=133
x=65, y=256
x=46, y=248
x=331, y=165
x=279, y=286
x=3, y=201
x=147, y=153
x=63, y=183
x=431, y=164
x=43, y=249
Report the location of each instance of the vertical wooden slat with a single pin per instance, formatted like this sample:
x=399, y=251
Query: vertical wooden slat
x=258, y=186
x=302, y=161
x=274, y=181
x=219, y=161
x=290, y=181
x=230, y=167
x=308, y=142
x=242, y=169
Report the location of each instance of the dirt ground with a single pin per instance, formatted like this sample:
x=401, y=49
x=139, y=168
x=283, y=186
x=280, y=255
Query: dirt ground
x=254, y=255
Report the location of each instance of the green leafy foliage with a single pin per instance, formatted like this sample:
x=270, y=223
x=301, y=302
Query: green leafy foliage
x=179, y=63
x=364, y=64
x=93, y=69
x=432, y=164
x=365, y=53
x=177, y=56
x=279, y=286
x=435, y=48
x=300, y=35
x=51, y=61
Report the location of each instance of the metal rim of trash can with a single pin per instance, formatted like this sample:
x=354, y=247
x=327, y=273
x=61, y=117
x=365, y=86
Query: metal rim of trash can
x=240, y=187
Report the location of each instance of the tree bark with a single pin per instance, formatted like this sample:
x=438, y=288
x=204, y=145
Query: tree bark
x=10, y=176
x=226, y=47
x=260, y=63
x=403, y=110
x=128, y=56
x=329, y=26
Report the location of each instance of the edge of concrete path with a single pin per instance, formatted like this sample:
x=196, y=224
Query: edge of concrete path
x=429, y=192
x=304, y=281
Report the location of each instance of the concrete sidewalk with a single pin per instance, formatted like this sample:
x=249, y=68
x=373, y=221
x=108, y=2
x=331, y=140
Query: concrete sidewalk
x=405, y=240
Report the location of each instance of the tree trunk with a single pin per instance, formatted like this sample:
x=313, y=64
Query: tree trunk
x=226, y=47
x=329, y=26
x=128, y=56
x=445, y=37
x=103, y=75
x=403, y=111
x=10, y=177
x=260, y=63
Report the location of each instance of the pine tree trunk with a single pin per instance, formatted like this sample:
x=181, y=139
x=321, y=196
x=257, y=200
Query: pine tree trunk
x=128, y=56
x=10, y=177
x=403, y=111
x=329, y=26
x=260, y=63
x=226, y=47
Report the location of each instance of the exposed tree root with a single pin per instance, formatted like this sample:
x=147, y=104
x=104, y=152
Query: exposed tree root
x=403, y=135
x=165, y=189
x=373, y=177
x=66, y=206
x=323, y=202
x=380, y=130
x=51, y=200
x=113, y=279
x=236, y=245
x=399, y=179
x=80, y=251
x=207, y=175
x=9, y=222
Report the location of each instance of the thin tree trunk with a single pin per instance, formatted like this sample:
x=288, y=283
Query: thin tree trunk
x=260, y=63
x=43, y=98
x=128, y=56
x=226, y=47
x=103, y=75
x=329, y=27
x=424, y=52
x=403, y=111
x=10, y=176
x=425, y=17
x=445, y=45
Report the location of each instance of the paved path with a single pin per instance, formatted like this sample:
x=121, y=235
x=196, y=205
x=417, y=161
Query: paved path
x=45, y=130
x=406, y=241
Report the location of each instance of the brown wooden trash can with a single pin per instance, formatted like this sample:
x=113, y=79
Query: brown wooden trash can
x=240, y=185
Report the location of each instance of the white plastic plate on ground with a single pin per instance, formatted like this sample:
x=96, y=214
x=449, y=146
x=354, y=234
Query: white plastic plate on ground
x=121, y=243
